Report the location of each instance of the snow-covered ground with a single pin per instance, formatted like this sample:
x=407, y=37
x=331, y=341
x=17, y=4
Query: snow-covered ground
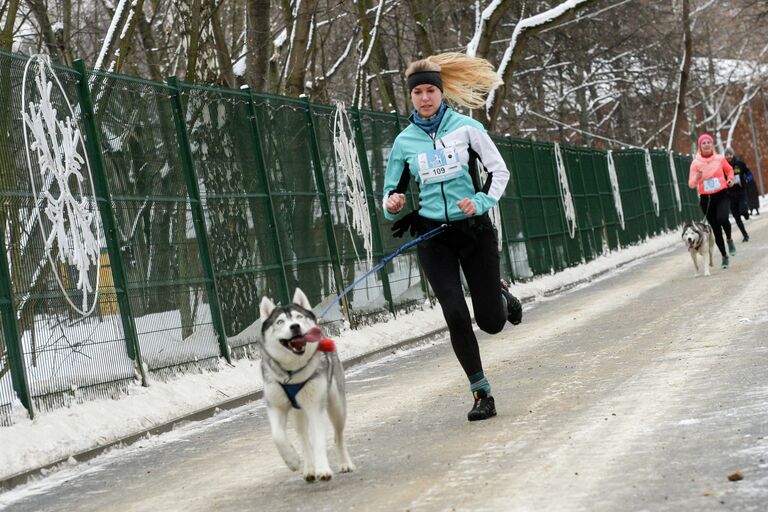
x=58, y=434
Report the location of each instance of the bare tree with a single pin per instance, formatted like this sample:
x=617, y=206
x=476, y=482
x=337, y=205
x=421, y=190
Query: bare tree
x=258, y=44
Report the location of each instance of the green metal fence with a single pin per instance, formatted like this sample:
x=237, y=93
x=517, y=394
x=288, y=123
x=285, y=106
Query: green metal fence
x=207, y=199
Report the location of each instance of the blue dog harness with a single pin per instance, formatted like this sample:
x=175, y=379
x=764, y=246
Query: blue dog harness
x=291, y=390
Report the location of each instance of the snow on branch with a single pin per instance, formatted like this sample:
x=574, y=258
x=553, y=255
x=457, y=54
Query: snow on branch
x=527, y=24
x=109, y=38
x=480, y=24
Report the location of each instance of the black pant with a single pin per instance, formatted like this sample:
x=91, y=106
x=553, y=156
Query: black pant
x=469, y=245
x=717, y=207
x=738, y=197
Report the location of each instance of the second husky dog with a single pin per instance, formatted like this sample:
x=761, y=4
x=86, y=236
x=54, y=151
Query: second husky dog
x=697, y=236
x=299, y=377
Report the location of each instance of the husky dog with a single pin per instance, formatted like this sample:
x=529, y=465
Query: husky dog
x=699, y=240
x=298, y=375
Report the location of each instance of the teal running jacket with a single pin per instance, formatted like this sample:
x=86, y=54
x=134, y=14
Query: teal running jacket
x=460, y=137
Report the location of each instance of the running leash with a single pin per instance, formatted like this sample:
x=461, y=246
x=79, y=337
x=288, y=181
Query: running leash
x=426, y=236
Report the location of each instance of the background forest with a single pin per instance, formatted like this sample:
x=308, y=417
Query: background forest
x=592, y=72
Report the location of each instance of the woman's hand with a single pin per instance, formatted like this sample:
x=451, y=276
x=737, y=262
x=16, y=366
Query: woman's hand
x=395, y=203
x=729, y=183
x=467, y=206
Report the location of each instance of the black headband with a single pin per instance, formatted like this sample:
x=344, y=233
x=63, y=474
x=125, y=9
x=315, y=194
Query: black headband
x=425, y=77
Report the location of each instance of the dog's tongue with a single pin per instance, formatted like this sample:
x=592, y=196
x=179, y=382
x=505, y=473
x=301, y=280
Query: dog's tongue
x=313, y=335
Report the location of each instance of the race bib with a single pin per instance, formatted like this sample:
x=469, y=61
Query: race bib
x=737, y=179
x=437, y=165
x=712, y=185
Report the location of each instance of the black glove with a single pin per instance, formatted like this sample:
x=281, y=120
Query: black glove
x=409, y=222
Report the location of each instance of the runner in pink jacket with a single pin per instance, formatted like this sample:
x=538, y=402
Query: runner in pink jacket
x=712, y=175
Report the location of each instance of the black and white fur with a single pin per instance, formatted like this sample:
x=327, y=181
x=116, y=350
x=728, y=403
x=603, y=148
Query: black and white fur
x=699, y=240
x=288, y=359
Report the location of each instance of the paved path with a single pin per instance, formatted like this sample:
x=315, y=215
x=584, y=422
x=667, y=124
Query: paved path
x=642, y=391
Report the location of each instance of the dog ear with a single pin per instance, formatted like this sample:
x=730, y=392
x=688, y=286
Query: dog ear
x=301, y=299
x=266, y=308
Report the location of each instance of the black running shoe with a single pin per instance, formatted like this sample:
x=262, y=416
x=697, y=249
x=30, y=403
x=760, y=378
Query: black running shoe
x=746, y=238
x=484, y=407
x=514, y=308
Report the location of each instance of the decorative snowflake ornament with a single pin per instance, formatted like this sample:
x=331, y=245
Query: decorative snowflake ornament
x=66, y=195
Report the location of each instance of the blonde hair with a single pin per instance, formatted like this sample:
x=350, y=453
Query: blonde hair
x=466, y=80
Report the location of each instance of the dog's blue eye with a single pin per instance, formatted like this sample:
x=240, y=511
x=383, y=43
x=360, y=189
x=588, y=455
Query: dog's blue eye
x=279, y=322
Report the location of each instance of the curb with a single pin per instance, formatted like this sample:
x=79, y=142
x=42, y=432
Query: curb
x=24, y=477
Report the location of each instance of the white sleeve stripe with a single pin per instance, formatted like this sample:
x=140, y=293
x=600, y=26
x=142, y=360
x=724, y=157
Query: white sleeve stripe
x=492, y=160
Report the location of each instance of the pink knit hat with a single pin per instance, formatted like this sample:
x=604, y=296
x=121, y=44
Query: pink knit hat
x=703, y=137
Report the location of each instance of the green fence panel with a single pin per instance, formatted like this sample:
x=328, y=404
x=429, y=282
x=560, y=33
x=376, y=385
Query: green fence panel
x=689, y=196
x=610, y=216
x=198, y=216
x=586, y=199
x=166, y=283
x=285, y=142
x=234, y=199
x=635, y=199
x=669, y=217
x=520, y=213
x=407, y=282
x=367, y=301
x=377, y=245
x=13, y=375
x=66, y=357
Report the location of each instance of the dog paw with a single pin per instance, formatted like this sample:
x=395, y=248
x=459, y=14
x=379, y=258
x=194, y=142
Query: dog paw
x=323, y=475
x=347, y=467
x=293, y=462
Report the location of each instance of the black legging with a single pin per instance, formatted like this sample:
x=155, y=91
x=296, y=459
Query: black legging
x=474, y=249
x=738, y=196
x=717, y=207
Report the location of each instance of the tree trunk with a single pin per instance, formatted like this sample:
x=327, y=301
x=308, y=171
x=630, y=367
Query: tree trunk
x=259, y=45
x=195, y=28
x=421, y=28
x=6, y=36
x=678, y=123
x=149, y=44
x=40, y=11
x=223, y=56
x=296, y=66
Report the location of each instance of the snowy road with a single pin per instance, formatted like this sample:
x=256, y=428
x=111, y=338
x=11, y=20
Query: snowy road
x=642, y=391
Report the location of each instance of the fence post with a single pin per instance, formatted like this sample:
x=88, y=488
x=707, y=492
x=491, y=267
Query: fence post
x=198, y=218
x=325, y=205
x=378, y=247
x=261, y=170
x=11, y=331
x=104, y=200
